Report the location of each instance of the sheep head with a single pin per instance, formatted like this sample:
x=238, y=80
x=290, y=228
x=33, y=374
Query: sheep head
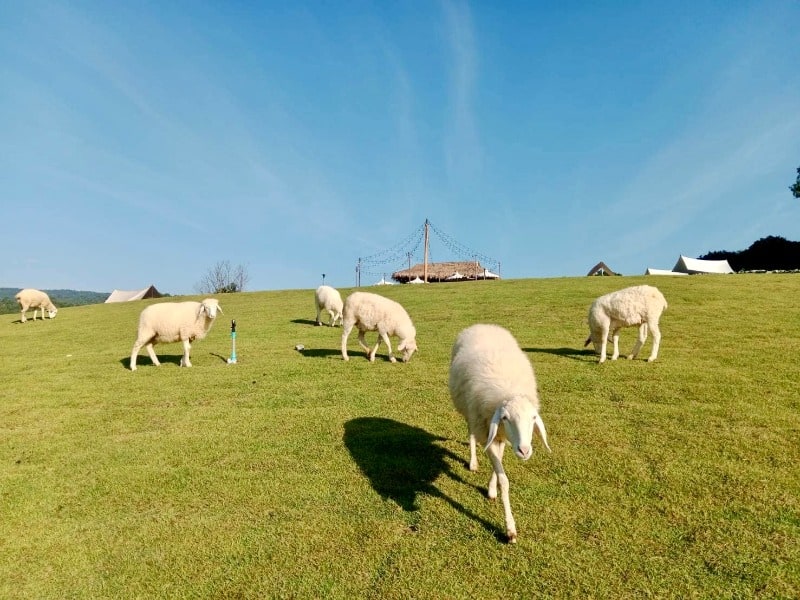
x=209, y=306
x=407, y=347
x=519, y=419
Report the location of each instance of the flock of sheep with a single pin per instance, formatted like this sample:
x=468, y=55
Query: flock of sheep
x=492, y=383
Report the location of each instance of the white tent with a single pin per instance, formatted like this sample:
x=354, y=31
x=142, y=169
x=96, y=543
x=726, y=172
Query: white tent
x=487, y=274
x=416, y=280
x=128, y=295
x=384, y=282
x=694, y=266
x=455, y=276
x=651, y=271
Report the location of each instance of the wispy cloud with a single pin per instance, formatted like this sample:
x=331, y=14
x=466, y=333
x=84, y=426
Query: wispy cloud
x=463, y=153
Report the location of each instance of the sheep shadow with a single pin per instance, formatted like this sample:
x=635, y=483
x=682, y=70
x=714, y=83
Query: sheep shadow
x=572, y=353
x=320, y=352
x=401, y=462
x=304, y=321
x=143, y=360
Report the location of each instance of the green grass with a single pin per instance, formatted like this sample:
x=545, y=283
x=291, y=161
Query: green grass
x=297, y=475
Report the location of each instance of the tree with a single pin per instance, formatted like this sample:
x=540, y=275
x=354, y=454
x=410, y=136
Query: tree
x=796, y=187
x=223, y=278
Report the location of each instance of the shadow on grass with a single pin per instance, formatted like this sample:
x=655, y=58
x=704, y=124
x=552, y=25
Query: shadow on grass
x=304, y=321
x=143, y=360
x=402, y=462
x=320, y=352
x=573, y=353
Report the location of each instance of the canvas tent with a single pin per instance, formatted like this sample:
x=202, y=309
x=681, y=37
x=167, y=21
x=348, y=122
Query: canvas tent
x=128, y=295
x=383, y=282
x=651, y=271
x=694, y=266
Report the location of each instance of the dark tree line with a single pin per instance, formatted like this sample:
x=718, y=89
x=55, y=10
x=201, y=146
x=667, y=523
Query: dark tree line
x=772, y=253
x=796, y=187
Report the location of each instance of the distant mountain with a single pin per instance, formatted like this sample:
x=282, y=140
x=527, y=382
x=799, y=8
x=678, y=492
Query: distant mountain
x=60, y=298
x=772, y=253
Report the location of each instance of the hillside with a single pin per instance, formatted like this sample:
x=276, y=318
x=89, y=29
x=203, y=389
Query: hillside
x=293, y=474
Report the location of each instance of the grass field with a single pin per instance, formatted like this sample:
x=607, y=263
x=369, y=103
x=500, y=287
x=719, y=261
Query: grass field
x=297, y=475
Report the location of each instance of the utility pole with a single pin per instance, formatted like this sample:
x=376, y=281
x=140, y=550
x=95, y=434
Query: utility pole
x=358, y=273
x=425, y=268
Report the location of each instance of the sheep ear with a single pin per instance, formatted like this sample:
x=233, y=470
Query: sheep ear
x=402, y=346
x=538, y=425
x=201, y=309
x=493, y=425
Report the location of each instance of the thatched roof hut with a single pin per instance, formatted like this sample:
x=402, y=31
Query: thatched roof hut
x=446, y=271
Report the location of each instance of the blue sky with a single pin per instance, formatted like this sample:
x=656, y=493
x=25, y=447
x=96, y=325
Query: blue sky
x=144, y=142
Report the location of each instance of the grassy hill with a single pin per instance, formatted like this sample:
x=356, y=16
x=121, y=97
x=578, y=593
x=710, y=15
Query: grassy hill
x=298, y=475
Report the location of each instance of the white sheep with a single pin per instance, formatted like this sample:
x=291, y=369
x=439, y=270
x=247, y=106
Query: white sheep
x=35, y=299
x=173, y=321
x=328, y=298
x=371, y=312
x=493, y=386
x=638, y=306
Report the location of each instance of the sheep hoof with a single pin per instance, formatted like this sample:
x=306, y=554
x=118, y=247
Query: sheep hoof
x=392, y=359
x=512, y=537
x=345, y=358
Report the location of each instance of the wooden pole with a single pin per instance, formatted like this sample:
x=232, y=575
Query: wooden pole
x=425, y=268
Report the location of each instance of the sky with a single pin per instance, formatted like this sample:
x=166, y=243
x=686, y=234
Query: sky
x=144, y=142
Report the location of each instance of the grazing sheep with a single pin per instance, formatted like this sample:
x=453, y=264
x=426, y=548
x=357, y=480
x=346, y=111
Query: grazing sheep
x=371, y=312
x=493, y=386
x=640, y=306
x=35, y=299
x=328, y=298
x=171, y=322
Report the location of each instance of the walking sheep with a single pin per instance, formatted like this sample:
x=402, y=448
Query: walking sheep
x=371, y=312
x=493, y=386
x=328, y=298
x=35, y=299
x=173, y=321
x=640, y=306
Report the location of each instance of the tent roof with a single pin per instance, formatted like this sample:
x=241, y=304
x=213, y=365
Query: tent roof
x=601, y=268
x=696, y=265
x=128, y=295
x=443, y=271
x=651, y=271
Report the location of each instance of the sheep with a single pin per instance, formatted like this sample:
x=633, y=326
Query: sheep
x=328, y=298
x=371, y=312
x=36, y=299
x=493, y=386
x=173, y=321
x=640, y=305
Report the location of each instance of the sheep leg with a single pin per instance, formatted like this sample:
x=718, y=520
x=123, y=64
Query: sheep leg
x=473, y=456
x=362, y=341
x=640, y=339
x=495, y=452
x=152, y=353
x=604, y=343
x=615, y=340
x=187, y=346
x=385, y=337
x=656, y=341
x=319, y=322
x=333, y=318
x=346, y=329
x=24, y=318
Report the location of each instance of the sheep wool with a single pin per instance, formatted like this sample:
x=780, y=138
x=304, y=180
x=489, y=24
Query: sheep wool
x=371, y=312
x=329, y=299
x=35, y=299
x=638, y=306
x=493, y=386
x=168, y=322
